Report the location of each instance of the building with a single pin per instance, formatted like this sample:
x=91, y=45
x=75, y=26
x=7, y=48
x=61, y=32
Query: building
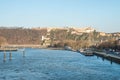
x=46, y=40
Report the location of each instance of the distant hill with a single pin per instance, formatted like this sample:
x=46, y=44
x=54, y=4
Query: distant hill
x=75, y=37
x=22, y=36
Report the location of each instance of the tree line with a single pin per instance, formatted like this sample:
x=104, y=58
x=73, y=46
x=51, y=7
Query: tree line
x=61, y=38
x=58, y=37
x=21, y=36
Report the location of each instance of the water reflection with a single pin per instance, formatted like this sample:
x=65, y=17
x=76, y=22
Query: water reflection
x=103, y=59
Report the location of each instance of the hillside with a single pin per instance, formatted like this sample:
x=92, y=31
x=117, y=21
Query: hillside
x=81, y=37
x=59, y=37
x=22, y=36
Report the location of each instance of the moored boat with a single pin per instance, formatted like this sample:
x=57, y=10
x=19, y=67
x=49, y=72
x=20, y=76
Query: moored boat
x=88, y=52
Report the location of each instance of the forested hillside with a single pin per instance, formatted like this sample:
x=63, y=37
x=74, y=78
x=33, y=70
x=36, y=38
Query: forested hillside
x=22, y=36
x=58, y=37
x=83, y=40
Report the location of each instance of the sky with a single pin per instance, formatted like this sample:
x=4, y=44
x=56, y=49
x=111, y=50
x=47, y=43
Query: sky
x=103, y=15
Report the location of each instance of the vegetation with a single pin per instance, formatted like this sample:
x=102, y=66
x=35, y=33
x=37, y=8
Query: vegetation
x=110, y=44
x=2, y=41
x=58, y=38
x=85, y=40
x=22, y=36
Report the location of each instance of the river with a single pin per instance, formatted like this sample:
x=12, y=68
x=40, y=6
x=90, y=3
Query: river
x=44, y=64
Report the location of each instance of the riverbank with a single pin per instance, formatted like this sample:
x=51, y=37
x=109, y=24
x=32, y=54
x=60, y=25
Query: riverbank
x=30, y=46
x=23, y=46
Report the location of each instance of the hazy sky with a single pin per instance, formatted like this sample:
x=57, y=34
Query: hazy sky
x=104, y=15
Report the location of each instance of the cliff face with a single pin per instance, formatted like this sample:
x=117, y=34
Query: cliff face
x=22, y=36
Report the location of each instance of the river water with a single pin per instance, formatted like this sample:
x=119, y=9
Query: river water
x=43, y=64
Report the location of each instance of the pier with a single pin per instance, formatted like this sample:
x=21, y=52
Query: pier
x=9, y=51
x=111, y=57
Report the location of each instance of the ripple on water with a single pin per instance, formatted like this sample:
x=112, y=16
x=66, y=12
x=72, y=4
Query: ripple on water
x=41, y=64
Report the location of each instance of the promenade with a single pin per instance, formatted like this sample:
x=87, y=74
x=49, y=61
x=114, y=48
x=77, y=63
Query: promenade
x=109, y=56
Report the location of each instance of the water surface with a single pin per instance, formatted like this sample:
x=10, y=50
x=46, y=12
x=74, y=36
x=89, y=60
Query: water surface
x=43, y=64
